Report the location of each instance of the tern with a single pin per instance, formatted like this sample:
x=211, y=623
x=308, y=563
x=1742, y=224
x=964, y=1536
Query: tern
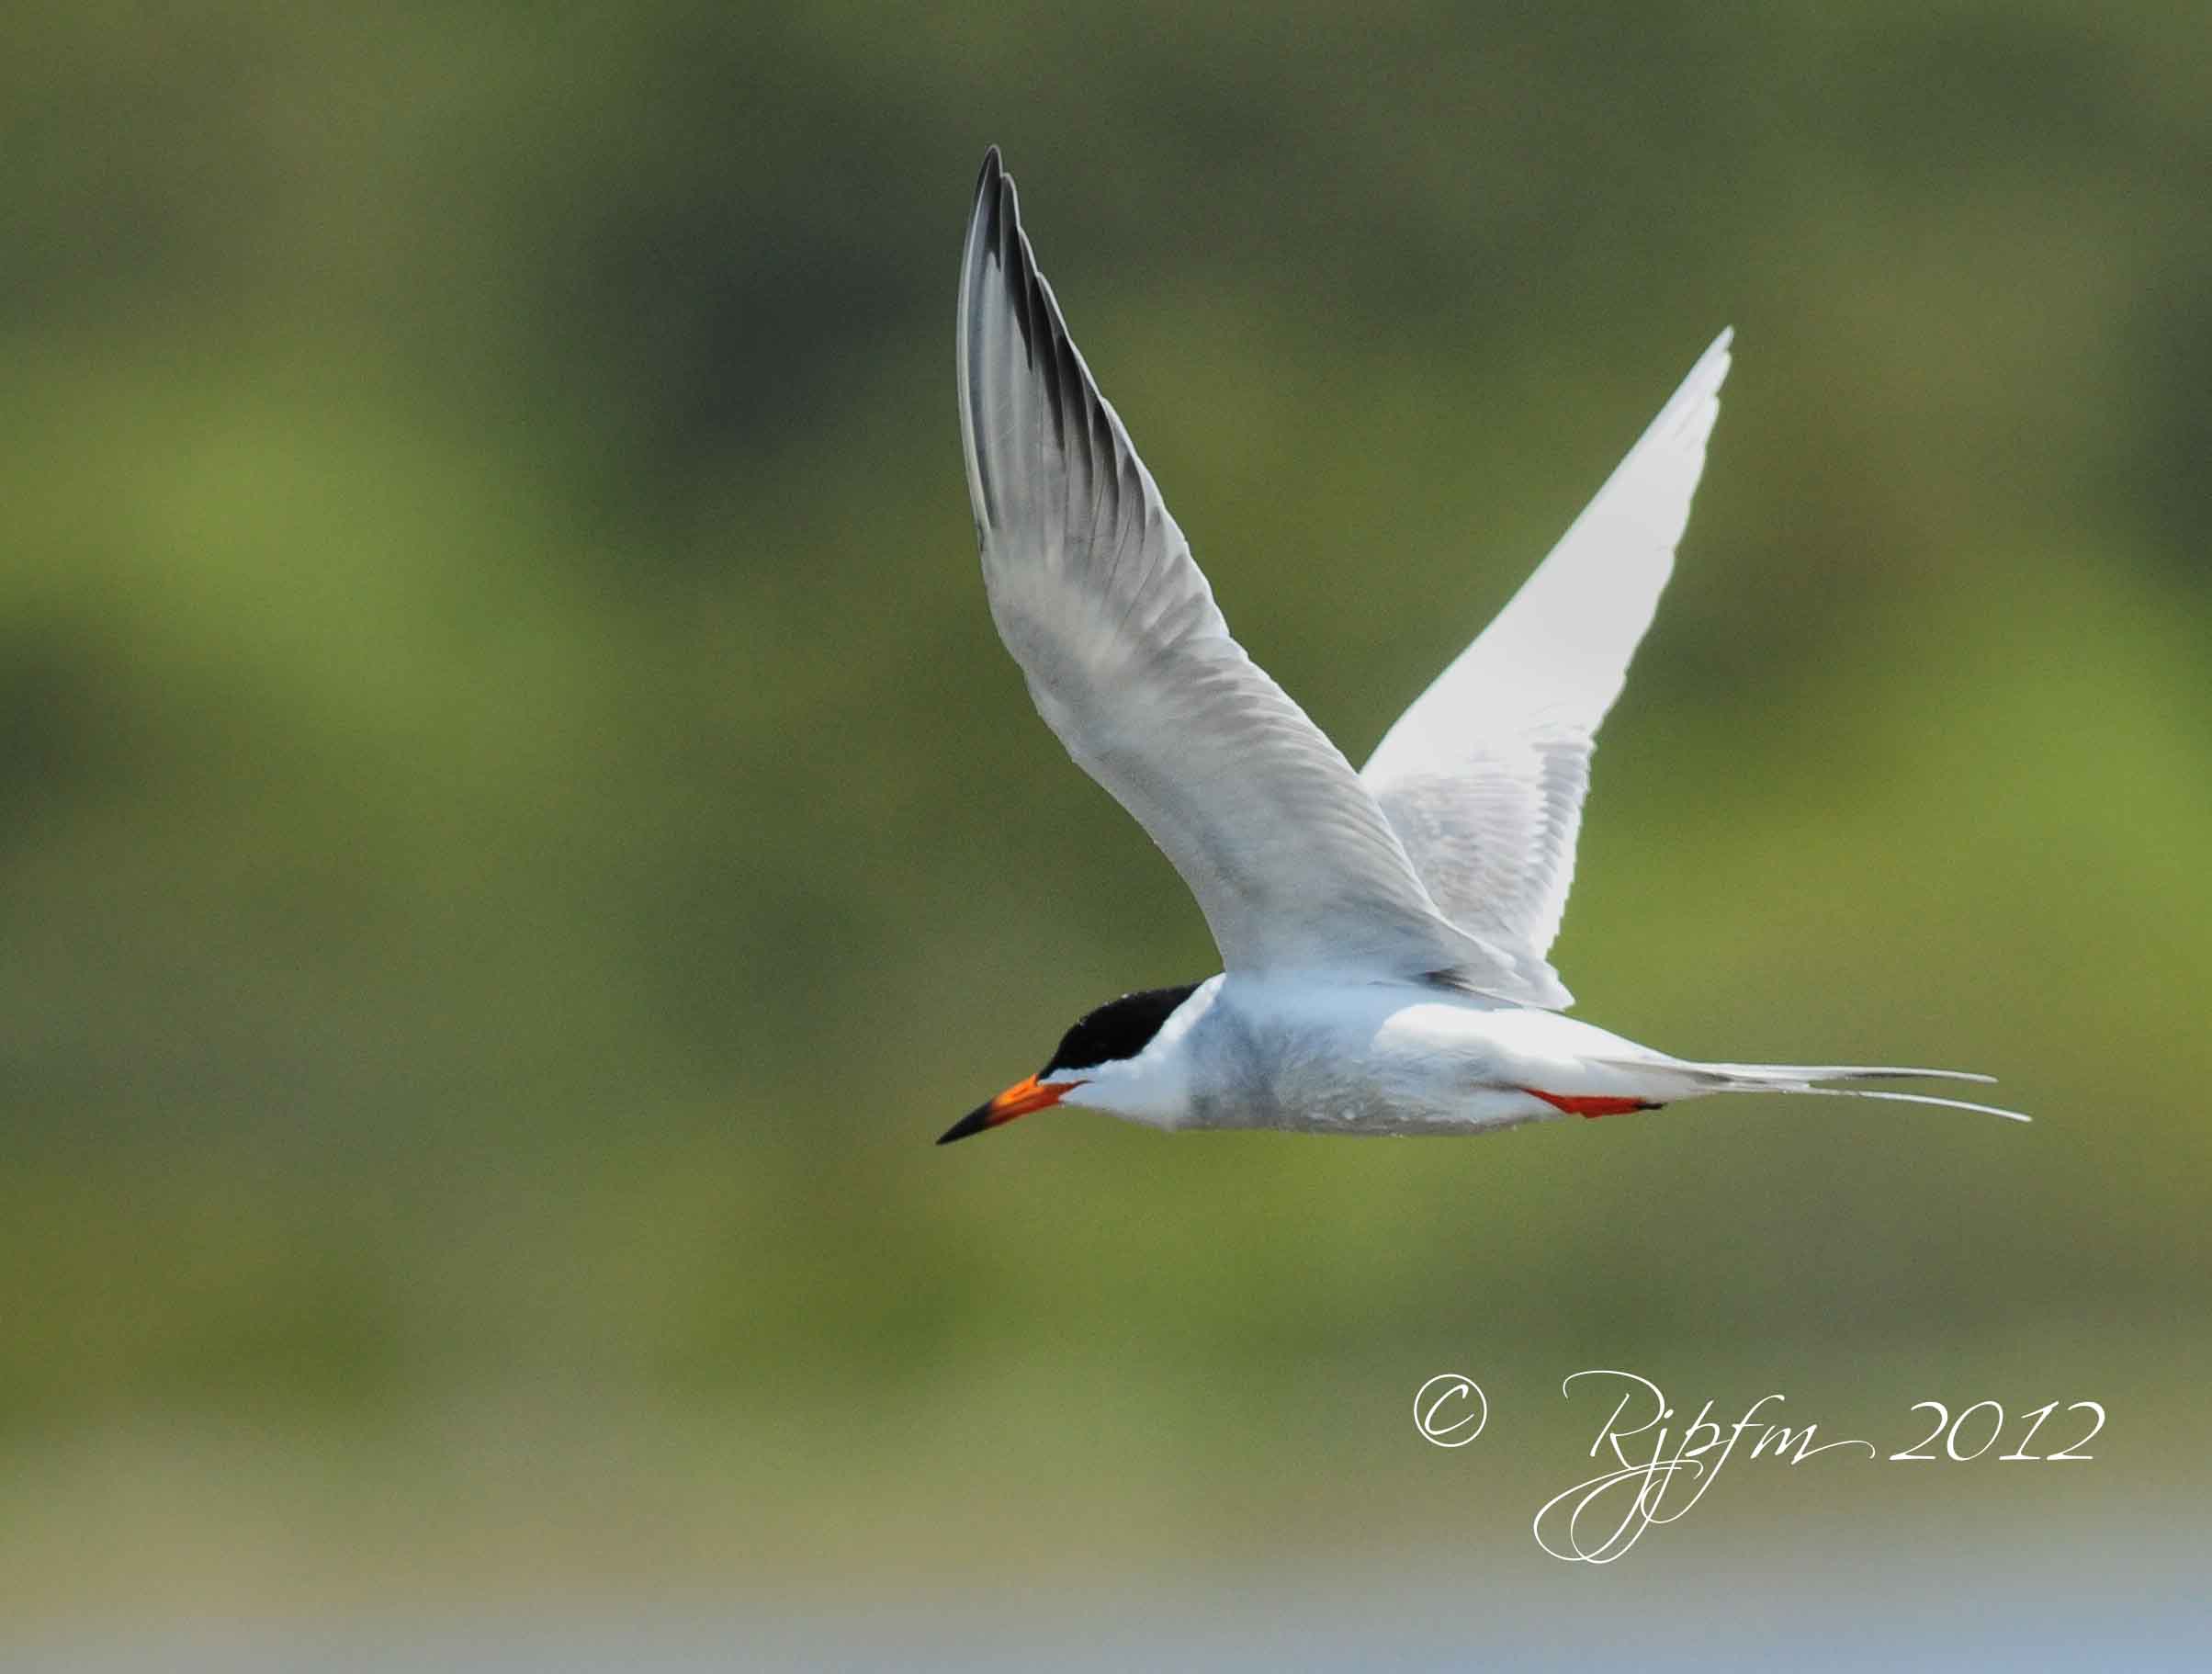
x=1383, y=934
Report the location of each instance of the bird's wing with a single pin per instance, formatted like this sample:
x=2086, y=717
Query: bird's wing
x=1483, y=776
x=1094, y=591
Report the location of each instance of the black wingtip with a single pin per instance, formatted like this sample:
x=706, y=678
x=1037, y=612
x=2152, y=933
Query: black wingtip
x=992, y=168
x=1019, y=266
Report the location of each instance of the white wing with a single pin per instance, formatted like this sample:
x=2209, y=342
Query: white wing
x=1095, y=594
x=1483, y=776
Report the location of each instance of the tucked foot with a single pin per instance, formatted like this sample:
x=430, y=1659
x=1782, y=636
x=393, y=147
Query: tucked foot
x=1583, y=1105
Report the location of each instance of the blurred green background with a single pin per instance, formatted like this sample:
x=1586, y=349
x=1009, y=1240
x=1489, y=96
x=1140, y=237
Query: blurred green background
x=519, y=833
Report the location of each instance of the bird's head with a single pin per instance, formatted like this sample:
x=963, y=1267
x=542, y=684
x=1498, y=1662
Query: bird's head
x=1108, y=1061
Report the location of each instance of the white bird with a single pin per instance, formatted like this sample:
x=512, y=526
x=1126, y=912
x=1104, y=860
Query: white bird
x=1383, y=934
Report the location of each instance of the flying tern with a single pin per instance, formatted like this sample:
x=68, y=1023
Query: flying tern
x=1383, y=934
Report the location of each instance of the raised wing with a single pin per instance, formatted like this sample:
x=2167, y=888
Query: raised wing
x=1483, y=778
x=1094, y=591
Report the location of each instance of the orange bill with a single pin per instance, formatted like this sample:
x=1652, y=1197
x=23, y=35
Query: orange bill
x=1023, y=1096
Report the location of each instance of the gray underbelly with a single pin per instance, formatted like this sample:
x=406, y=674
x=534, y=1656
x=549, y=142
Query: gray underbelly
x=1339, y=1106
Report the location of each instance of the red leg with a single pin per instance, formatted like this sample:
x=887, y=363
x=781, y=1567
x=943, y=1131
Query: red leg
x=1586, y=1104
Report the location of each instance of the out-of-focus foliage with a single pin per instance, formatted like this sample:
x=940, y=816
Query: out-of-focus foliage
x=518, y=831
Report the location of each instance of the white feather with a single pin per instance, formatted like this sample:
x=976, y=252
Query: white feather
x=1128, y=659
x=1484, y=775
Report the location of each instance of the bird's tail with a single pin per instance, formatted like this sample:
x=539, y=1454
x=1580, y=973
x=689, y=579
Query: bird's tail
x=1692, y=1081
